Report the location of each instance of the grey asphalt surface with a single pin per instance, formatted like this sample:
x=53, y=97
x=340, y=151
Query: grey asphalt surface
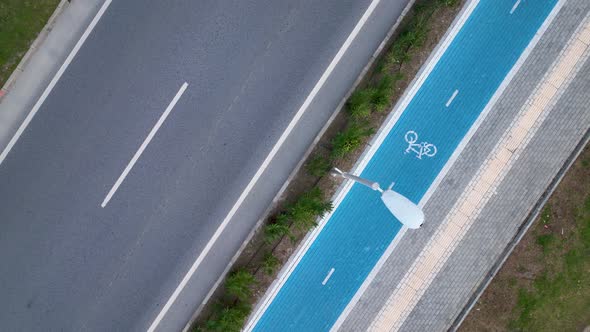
x=69, y=264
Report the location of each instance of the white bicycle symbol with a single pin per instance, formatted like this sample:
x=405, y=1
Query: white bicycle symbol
x=421, y=149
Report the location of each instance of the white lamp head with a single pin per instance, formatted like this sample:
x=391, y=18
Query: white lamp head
x=403, y=209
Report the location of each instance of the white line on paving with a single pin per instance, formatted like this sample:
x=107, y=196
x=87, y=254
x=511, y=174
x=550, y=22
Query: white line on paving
x=265, y=163
x=455, y=93
x=145, y=143
x=463, y=142
x=54, y=81
x=328, y=276
x=515, y=6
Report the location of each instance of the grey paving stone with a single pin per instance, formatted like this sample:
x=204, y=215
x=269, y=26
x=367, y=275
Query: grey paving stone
x=473, y=258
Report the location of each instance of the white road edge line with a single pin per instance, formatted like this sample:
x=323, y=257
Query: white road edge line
x=265, y=164
x=455, y=154
x=328, y=277
x=515, y=6
x=145, y=143
x=452, y=98
x=54, y=81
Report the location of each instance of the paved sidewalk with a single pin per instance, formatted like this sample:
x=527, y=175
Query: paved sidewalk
x=39, y=65
x=442, y=280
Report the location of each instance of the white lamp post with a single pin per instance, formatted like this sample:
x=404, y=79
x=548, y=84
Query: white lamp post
x=402, y=208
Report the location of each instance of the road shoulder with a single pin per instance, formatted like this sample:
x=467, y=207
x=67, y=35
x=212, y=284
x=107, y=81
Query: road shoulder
x=41, y=62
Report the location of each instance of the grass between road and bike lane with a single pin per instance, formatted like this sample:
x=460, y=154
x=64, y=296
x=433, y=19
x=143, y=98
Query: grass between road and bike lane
x=20, y=23
x=307, y=197
x=545, y=283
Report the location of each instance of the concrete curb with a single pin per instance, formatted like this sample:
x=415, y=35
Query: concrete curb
x=297, y=168
x=34, y=46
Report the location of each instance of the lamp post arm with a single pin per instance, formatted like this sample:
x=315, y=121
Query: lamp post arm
x=365, y=182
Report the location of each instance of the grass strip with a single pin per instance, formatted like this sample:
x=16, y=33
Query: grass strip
x=559, y=299
x=544, y=284
x=20, y=23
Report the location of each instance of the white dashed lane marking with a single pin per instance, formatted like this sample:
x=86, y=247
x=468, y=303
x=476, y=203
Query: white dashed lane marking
x=455, y=93
x=515, y=6
x=328, y=277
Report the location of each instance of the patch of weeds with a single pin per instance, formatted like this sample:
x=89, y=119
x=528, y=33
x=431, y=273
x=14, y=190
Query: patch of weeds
x=239, y=284
x=382, y=94
x=526, y=302
x=512, y=282
x=562, y=301
x=231, y=315
x=573, y=260
x=308, y=207
x=398, y=53
x=419, y=30
x=359, y=103
x=270, y=264
x=318, y=166
x=227, y=319
x=275, y=231
x=546, y=215
x=545, y=241
x=20, y=23
x=449, y=3
x=349, y=140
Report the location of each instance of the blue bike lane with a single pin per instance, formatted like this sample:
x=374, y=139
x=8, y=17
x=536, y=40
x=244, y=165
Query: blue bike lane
x=441, y=113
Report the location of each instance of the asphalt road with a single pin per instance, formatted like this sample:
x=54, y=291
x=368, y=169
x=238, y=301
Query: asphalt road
x=69, y=264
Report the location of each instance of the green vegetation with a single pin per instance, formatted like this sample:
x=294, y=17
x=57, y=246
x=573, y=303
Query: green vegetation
x=238, y=284
x=270, y=264
x=359, y=103
x=546, y=215
x=304, y=212
x=276, y=231
x=349, y=140
x=381, y=97
x=318, y=166
x=301, y=214
x=230, y=315
x=20, y=23
x=411, y=37
x=559, y=299
x=545, y=240
x=364, y=101
x=229, y=319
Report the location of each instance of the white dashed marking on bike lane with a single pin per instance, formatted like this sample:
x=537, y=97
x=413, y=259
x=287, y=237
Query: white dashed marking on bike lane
x=455, y=93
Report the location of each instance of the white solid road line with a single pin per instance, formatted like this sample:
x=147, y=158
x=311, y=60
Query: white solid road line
x=265, y=164
x=452, y=98
x=54, y=81
x=145, y=143
x=515, y=6
x=328, y=276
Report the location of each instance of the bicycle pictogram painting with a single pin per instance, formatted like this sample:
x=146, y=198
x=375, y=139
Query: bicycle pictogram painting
x=420, y=149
